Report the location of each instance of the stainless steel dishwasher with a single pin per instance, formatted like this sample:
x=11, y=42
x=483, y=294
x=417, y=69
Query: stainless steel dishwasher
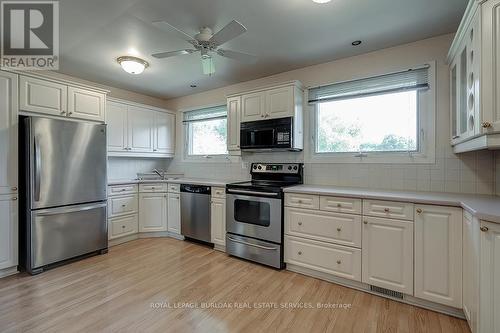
x=195, y=212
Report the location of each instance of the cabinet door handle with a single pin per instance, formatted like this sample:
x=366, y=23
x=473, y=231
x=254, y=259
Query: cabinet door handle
x=339, y=229
x=300, y=223
x=14, y=198
x=124, y=206
x=299, y=253
x=339, y=262
x=365, y=222
x=419, y=211
x=486, y=124
x=387, y=210
x=484, y=229
x=14, y=188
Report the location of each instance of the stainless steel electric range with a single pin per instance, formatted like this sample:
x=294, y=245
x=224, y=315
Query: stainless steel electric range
x=254, y=216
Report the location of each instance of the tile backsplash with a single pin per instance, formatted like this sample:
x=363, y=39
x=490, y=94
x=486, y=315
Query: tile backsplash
x=127, y=168
x=465, y=173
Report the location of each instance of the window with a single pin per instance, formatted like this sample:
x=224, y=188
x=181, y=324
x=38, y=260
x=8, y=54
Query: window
x=379, y=119
x=206, y=131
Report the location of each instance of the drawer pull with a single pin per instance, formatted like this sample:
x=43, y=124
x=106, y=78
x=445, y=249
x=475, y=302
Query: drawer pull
x=300, y=223
x=299, y=253
x=124, y=205
x=123, y=227
x=14, y=188
x=419, y=211
x=387, y=210
x=14, y=199
x=339, y=229
x=339, y=262
x=484, y=229
x=299, y=201
x=339, y=205
x=365, y=222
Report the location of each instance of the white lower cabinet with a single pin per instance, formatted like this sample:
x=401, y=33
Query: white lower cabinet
x=332, y=259
x=152, y=212
x=174, y=213
x=218, y=221
x=438, y=254
x=470, y=269
x=8, y=231
x=123, y=226
x=489, y=306
x=388, y=254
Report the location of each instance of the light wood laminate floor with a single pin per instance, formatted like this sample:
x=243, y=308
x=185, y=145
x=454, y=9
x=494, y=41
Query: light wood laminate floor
x=115, y=292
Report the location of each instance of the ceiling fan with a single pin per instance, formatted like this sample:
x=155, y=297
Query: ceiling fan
x=207, y=43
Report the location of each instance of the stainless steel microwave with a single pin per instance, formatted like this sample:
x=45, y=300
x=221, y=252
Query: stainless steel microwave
x=272, y=134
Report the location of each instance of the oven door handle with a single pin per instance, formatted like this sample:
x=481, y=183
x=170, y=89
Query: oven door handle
x=267, y=194
x=254, y=245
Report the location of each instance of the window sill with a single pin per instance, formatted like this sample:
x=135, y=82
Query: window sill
x=374, y=158
x=210, y=159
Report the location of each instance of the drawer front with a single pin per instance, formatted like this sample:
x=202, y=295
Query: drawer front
x=126, y=204
x=302, y=200
x=343, y=229
x=174, y=188
x=332, y=259
x=389, y=209
x=152, y=188
x=340, y=205
x=122, y=189
x=218, y=192
x=123, y=226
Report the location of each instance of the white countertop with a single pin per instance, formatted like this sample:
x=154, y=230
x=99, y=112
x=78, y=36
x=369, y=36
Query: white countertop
x=484, y=207
x=199, y=181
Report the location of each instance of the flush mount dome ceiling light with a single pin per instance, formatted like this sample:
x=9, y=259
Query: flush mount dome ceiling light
x=321, y=1
x=132, y=65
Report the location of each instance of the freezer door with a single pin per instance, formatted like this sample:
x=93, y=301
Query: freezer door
x=62, y=233
x=67, y=162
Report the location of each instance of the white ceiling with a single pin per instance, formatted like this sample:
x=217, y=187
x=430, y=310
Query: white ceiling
x=284, y=34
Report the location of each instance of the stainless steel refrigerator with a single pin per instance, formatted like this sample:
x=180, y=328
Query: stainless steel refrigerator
x=63, y=190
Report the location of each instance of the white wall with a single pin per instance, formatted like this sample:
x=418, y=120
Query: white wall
x=467, y=173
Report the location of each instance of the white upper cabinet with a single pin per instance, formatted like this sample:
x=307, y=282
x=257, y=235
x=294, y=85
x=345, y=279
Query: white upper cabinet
x=278, y=101
x=141, y=131
x=86, y=104
x=438, y=254
x=42, y=96
x=387, y=254
x=61, y=98
x=474, y=60
x=116, y=114
x=164, y=133
x=8, y=133
x=253, y=106
x=233, y=123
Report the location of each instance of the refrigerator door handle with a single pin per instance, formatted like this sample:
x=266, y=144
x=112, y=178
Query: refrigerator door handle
x=63, y=210
x=38, y=166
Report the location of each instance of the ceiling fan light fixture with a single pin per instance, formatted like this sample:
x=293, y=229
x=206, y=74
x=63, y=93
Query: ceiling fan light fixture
x=207, y=63
x=132, y=65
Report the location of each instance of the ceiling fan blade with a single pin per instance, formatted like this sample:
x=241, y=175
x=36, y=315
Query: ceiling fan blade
x=231, y=30
x=162, y=25
x=172, y=53
x=243, y=57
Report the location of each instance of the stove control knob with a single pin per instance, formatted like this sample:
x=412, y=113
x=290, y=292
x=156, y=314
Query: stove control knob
x=260, y=167
x=289, y=167
x=295, y=168
x=255, y=166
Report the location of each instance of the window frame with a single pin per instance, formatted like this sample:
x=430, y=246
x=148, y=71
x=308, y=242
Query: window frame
x=186, y=157
x=426, y=120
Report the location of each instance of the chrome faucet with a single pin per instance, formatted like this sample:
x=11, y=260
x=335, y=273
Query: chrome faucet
x=162, y=176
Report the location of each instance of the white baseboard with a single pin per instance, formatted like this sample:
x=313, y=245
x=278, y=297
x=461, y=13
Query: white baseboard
x=407, y=299
x=221, y=248
x=8, y=271
x=141, y=235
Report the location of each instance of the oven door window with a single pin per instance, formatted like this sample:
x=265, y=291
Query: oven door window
x=252, y=212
